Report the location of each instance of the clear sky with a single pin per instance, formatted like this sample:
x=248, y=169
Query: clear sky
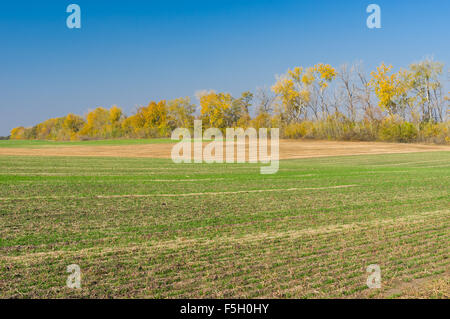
x=130, y=52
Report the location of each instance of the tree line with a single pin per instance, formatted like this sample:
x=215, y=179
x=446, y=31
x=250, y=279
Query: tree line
x=320, y=102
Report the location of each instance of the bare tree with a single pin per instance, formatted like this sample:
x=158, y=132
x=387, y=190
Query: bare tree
x=319, y=102
x=346, y=76
x=364, y=93
x=264, y=101
x=427, y=87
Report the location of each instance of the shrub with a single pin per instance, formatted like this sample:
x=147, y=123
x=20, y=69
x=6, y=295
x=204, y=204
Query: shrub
x=434, y=133
x=393, y=129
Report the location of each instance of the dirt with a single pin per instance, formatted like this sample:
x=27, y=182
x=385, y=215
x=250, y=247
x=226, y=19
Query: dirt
x=429, y=287
x=289, y=149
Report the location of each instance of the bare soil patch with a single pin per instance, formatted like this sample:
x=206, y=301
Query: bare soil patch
x=289, y=149
x=437, y=286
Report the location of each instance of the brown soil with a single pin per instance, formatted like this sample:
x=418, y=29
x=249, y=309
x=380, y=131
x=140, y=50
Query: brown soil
x=423, y=288
x=289, y=149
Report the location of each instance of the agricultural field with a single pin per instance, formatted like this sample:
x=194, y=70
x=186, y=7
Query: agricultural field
x=149, y=228
x=33, y=144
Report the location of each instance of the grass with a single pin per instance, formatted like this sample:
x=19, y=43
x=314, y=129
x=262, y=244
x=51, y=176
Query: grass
x=43, y=143
x=153, y=229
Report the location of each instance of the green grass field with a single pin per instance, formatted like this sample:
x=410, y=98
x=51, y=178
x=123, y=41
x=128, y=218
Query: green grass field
x=118, y=142
x=153, y=229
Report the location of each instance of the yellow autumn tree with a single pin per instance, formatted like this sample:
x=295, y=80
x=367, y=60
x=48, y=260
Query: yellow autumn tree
x=326, y=73
x=239, y=113
x=18, y=133
x=180, y=113
x=50, y=129
x=115, y=122
x=96, y=124
x=156, y=118
x=214, y=109
x=71, y=126
x=293, y=90
x=321, y=76
x=130, y=126
x=149, y=121
x=391, y=89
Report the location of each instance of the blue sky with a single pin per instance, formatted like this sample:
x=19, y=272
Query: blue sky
x=130, y=52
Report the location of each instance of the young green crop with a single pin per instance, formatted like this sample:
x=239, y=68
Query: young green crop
x=153, y=229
